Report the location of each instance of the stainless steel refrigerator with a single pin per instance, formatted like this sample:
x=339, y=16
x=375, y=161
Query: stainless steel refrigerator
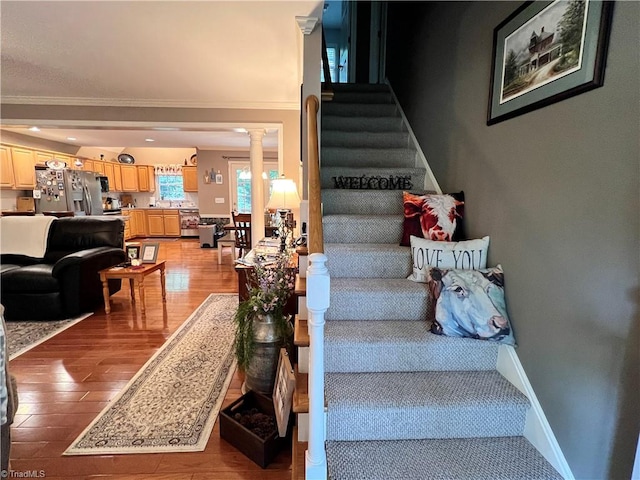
x=68, y=190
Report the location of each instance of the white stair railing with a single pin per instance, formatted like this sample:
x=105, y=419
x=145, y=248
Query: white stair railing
x=318, y=282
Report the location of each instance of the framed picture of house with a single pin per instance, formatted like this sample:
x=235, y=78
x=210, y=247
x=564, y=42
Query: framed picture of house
x=149, y=252
x=545, y=52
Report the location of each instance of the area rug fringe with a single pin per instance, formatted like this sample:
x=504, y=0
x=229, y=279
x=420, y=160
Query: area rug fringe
x=172, y=403
x=23, y=335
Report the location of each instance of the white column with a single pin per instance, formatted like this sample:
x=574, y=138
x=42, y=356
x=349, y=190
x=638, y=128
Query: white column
x=257, y=185
x=318, y=283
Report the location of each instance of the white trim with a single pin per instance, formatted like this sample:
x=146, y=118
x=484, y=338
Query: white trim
x=115, y=124
x=421, y=157
x=307, y=24
x=130, y=102
x=537, y=429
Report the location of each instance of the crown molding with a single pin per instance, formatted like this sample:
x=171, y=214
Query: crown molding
x=127, y=102
x=307, y=24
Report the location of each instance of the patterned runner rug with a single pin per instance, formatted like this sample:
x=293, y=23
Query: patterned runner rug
x=172, y=403
x=22, y=335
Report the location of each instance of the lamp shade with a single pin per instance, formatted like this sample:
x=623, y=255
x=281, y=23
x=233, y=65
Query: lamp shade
x=284, y=194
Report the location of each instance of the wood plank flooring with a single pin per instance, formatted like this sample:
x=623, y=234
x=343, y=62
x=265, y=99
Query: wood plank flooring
x=65, y=382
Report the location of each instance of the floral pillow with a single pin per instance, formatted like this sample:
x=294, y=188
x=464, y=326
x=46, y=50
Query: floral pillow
x=467, y=254
x=432, y=216
x=470, y=303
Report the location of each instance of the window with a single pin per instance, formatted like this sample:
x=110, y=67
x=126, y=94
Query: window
x=241, y=184
x=331, y=56
x=170, y=187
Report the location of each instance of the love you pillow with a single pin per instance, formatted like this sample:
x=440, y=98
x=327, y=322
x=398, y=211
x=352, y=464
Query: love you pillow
x=470, y=303
x=468, y=254
x=432, y=216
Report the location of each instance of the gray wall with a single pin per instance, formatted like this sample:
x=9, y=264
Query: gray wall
x=557, y=190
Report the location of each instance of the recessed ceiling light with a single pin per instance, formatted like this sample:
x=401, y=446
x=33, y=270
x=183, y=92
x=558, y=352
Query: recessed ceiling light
x=71, y=138
x=34, y=129
x=149, y=140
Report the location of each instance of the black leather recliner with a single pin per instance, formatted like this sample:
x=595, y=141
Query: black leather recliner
x=65, y=283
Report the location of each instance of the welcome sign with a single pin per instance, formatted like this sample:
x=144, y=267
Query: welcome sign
x=373, y=182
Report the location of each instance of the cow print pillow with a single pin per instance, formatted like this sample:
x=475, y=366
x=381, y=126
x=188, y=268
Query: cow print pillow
x=470, y=303
x=432, y=216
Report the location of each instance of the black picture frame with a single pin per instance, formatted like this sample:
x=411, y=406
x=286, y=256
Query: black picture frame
x=549, y=66
x=133, y=252
x=149, y=252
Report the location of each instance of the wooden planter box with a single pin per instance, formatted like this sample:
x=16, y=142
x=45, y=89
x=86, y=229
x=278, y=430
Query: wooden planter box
x=261, y=451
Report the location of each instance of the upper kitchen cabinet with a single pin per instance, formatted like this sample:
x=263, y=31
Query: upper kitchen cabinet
x=109, y=171
x=98, y=167
x=24, y=168
x=143, y=178
x=190, y=179
x=6, y=167
x=87, y=166
x=129, y=178
x=41, y=158
x=152, y=179
x=117, y=177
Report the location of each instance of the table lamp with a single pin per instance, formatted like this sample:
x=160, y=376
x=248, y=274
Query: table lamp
x=284, y=197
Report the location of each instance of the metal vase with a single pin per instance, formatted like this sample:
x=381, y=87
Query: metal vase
x=261, y=371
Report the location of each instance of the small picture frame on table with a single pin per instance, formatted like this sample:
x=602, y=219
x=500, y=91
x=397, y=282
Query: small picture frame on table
x=149, y=252
x=133, y=252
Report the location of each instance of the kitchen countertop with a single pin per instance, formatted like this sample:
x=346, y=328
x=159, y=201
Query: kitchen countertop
x=159, y=208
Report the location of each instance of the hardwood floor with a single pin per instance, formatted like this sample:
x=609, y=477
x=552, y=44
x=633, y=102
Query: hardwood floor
x=65, y=382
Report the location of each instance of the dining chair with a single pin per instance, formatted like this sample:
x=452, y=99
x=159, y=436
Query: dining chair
x=242, y=229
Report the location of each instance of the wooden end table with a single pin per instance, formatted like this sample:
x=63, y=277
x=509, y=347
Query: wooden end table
x=136, y=277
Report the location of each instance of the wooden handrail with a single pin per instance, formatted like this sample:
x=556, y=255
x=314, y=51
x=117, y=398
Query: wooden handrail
x=316, y=243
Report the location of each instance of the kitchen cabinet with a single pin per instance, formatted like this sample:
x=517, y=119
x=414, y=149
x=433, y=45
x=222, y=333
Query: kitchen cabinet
x=141, y=222
x=143, y=178
x=163, y=223
x=6, y=167
x=129, y=178
x=190, y=179
x=108, y=171
x=172, y=223
x=98, y=167
x=117, y=178
x=152, y=178
x=87, y=166
x=41, y=158
x=24, y=168
x=127, y=228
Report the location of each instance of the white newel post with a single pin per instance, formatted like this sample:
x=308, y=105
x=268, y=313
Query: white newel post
x=318, y=282
x=257, y=184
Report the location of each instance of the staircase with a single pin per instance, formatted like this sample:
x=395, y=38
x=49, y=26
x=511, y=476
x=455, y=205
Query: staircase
x=401, y=403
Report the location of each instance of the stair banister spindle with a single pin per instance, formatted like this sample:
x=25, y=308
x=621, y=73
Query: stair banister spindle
x=318, y=283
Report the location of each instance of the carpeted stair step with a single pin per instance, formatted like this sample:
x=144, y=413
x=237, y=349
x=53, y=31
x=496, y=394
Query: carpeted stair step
x=377, y=299
x=337, y=138
x=359, y=109
x=359, y=87
x=411, y=405
x=368, y=260
x=368, y=157
x=401, y=346
x=362, y=228
x=362, y=123
x=361, y=202
x=341, y=177
x=362, y=97
x=496, y=458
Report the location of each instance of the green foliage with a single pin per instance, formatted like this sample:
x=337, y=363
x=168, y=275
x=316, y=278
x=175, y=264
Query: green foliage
x=571, y=26
x=510, y=68
x=270, y=285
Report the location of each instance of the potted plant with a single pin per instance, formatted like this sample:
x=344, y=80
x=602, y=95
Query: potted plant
x=262, y=327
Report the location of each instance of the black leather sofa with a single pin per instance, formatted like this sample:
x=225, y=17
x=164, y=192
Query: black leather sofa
x=65, y=283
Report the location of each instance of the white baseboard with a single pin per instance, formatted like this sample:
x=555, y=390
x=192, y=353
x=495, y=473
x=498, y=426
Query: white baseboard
x=537, y=429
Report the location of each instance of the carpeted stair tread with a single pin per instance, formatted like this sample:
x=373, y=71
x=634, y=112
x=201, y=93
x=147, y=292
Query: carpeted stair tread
x=377, y=299
x=362, y=123
x=401, y=346
x=368, y=157
x=411, y=405
x=363, y=97
x=498, y=458
x=359, y=87
x=359, y=109
x=330, y=177
x=362, y=202
x=368, y=260
x=337, y=138
x=362, y=228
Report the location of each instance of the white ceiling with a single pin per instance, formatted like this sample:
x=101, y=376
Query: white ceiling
x=152, y=53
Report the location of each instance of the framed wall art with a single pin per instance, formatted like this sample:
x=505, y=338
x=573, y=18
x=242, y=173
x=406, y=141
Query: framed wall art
x=545, y=52
x=133, y=252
